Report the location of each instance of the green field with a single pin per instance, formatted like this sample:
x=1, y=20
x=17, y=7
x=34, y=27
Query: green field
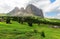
x=23, y=31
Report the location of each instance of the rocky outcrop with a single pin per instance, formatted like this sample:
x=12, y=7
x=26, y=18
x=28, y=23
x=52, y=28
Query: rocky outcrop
x=34, y=10
x=30, y=10
x=14, y=11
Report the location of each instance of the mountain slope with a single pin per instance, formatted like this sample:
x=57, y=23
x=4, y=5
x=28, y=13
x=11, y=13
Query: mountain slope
x=30, y=10
x=34, y=10
x=14, y=11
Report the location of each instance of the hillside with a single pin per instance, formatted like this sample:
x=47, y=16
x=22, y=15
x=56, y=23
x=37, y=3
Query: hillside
x=3, y=14
x=30, y=10
x=19, y=31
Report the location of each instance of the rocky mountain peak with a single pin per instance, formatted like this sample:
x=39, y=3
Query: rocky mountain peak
x=34, y=10
x=14, y=11
x=22, y=9
x=29, y=10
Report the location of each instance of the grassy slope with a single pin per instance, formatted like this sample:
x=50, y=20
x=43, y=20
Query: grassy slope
x=19, y=31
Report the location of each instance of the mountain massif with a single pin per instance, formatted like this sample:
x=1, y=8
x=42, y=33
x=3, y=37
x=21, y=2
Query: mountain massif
x=30, y=10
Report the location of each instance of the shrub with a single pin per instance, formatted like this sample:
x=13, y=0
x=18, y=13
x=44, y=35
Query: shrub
x=8, y=20
x=19, y=19
x=30, y=23
x=42, y=34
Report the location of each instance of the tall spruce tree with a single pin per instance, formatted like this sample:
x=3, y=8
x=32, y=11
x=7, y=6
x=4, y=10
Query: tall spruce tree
x=8, y=20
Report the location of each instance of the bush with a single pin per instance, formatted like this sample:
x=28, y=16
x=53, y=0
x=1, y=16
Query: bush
x=19, y=19
x=30, y=23
x=8, y=20
x=42, y=34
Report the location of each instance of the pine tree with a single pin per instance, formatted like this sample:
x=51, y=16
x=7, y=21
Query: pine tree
x=8, y=20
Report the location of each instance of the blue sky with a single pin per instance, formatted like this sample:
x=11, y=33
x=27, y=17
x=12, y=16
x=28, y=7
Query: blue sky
x=52, y=1
x=51, y=8
x=51, y=13
x=55, y=11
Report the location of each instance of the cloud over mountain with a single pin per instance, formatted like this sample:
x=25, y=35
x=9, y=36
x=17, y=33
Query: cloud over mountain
x=45, y=5
x=21, y=3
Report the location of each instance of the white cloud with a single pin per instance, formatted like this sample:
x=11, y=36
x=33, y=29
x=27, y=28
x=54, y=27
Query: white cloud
x=52, y=6
x=49, y=17
x=57, y=16
x=45, y=5
x=42, y=4
x=7, y=5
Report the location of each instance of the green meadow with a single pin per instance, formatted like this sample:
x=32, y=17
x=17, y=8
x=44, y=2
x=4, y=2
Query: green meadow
x=23, y=31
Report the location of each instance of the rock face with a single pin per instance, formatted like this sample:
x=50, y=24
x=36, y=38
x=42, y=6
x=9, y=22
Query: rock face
x=14, y=11
x=29, y=11
x=34, y=10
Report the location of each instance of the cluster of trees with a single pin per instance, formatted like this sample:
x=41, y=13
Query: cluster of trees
x=51, y=23
x=8, y=20
x=30, y=20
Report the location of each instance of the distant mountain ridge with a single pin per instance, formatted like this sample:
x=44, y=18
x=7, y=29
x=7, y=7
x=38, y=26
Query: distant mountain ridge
x=30, y=10
x=14, y=11
x=33, y=9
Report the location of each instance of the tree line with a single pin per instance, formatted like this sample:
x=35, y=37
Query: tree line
x=29, y=20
